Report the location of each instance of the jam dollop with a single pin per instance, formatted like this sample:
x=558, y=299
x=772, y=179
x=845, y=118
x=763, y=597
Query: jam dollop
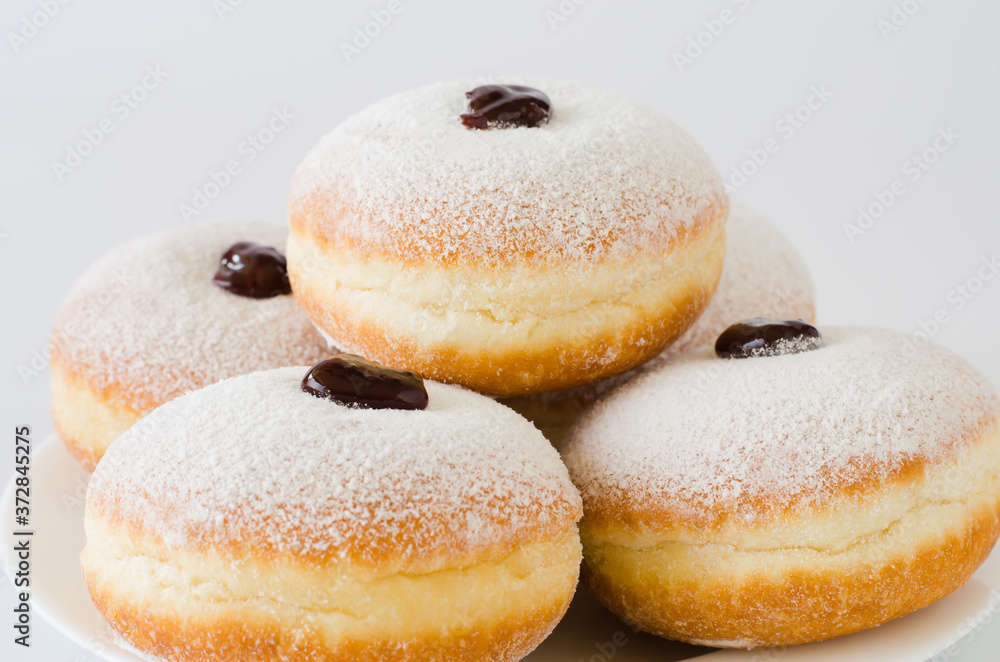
x=252, y=270
x=760, y=336
x=351, y=380
x=506, y=105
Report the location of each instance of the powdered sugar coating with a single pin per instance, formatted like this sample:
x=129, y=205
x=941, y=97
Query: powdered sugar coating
x=145, y=324
x=785, y=346
x=708, y=438
x=256, y=462
x=604, y=178
x=763, y=276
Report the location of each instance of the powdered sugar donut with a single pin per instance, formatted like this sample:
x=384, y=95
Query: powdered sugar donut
x=763, y=276
x=511, y=260
x=255, y=521
x=145, y=324
x=777, y=500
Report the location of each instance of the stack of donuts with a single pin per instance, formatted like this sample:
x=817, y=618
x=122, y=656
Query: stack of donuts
x=513, y=331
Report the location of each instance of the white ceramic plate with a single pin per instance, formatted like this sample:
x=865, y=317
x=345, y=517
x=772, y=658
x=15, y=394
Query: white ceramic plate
x=58, y=489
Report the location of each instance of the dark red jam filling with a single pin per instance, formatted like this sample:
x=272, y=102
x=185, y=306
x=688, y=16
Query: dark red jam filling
x=766, y=337
x=505, y=106
x=350, y=380
x=253, y=270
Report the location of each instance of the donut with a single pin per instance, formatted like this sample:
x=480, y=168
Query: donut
x=763, y=276
x=258, y=522
x=145, y=324
x=535, y=254
x=788, y=498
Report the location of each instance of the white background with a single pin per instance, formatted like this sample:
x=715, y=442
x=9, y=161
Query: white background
x=891, y=93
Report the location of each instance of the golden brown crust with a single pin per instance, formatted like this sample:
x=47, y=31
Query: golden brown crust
x=530, y=352
x=607, y=177
x=870, y=556
x=740, y=448
x=379, y=552
x=190, y=606
x=86, y=420
x=320, y=217
x=710, y=598
x=251, y=638
x=763, y=276
x=503, y=289
x=614, y=513
x=513, y=372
